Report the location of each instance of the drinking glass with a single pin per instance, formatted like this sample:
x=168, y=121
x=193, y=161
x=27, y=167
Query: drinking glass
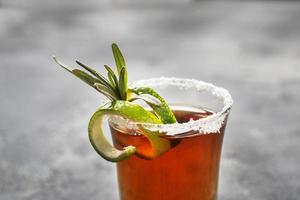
x=190, y=169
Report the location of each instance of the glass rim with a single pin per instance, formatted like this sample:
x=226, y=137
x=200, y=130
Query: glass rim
x=209, y=124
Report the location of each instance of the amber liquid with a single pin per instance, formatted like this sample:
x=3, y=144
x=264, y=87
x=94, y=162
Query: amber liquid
x=189, y=171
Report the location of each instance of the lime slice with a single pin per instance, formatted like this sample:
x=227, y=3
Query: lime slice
x=162, y=110
x=130, y=111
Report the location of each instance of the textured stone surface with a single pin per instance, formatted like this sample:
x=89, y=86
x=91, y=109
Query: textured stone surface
x=251, y=48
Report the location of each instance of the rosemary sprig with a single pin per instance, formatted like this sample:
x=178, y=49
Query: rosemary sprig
x=113, y=87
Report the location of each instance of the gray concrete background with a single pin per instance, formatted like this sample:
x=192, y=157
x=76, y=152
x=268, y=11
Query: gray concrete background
x=250, y=47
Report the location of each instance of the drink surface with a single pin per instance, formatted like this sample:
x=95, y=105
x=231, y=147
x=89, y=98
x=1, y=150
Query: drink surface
x=188, y=171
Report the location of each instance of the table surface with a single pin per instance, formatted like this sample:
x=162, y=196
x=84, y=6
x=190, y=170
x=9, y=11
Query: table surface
x=251, y=48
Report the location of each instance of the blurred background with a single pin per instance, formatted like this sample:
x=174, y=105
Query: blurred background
x=249, y=47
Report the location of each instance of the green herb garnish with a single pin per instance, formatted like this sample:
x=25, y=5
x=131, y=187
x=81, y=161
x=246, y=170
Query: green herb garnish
x=115, y=88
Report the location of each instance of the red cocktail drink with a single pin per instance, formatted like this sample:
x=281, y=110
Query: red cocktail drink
x=188, y=171
x=162, y=154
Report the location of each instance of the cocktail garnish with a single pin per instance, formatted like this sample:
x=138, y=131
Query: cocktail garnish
x=162, y=110
x=115, y=88
x=132, y=112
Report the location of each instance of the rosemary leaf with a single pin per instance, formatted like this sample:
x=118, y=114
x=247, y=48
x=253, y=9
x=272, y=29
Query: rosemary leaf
x=105, y=91
x=119, y=59
x=91, y=70
x=85, y=77
x=111, y=76
x=61, y=64
x=78, y=73
x=111, y=80
x=94, y=72
x=123, y=83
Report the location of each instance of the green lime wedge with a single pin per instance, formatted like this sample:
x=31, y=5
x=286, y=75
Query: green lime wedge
x=162, y=110
x=130, y=111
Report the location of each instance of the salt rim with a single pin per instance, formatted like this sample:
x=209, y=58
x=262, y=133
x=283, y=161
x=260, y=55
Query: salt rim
x=209, y=124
